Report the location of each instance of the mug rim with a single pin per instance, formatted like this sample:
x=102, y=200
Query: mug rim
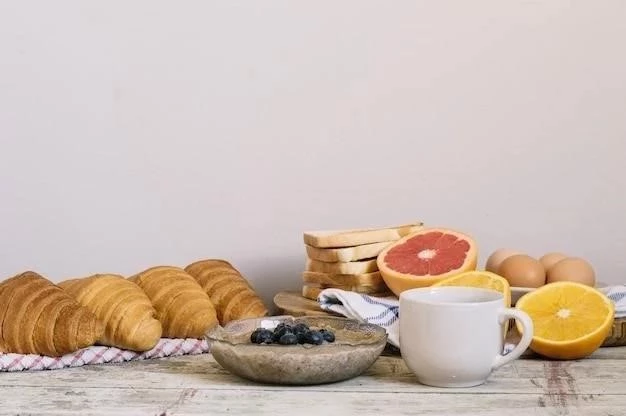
x=490, y=294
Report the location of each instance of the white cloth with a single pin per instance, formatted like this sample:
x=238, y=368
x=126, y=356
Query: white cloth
x=618, y=295
x=384, y=311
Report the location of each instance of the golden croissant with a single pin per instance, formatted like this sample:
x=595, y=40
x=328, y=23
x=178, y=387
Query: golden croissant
x=233, y=296
x=38, y=317
x=125, y=310
x=183, y=308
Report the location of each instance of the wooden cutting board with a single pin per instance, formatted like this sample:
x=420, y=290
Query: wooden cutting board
x=293, y=303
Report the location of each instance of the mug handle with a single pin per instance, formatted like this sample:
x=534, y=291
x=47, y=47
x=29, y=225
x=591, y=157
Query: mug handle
x=527, y=335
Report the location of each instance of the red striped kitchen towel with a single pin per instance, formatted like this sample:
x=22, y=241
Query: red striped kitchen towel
x=166, y=347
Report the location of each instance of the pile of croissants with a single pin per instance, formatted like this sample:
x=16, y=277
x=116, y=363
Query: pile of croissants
x=134, y=313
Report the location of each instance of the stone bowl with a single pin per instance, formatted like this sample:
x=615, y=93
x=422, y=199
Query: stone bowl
x=357, y=345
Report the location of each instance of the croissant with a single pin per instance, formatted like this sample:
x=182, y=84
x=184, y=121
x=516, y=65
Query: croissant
x=233, y=296
x=38, y=317
x=183, y=308
x=124, y=309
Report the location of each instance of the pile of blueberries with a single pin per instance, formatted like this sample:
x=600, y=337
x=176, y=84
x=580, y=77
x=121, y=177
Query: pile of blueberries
x=286, y=334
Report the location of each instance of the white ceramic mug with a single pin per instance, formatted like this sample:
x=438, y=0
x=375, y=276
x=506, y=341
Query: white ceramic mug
x=452, y=336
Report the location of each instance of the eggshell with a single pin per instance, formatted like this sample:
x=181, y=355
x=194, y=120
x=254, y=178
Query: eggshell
x=572, y=269
x=550, y=259
x=523, y=271
x=497, y=257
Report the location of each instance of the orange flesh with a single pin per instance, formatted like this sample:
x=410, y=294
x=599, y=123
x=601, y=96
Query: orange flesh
x=567, y=315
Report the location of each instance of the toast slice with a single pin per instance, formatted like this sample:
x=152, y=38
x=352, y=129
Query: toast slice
x=312, y=291
x=368, y=280
x=351, y=267
x=356, y=237
x=344, y=254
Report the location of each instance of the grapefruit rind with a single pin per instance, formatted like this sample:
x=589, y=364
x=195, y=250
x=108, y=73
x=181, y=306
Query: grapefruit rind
x=398, y=282
x=550, y=297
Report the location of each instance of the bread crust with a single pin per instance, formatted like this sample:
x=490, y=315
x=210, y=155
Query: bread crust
x=182, y=306
x=122, y=306
x=38, y=317
x=356, y=237
x=231, y=293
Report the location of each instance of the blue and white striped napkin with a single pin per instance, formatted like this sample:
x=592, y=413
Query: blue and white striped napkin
x=618, y=295
x=384, y=311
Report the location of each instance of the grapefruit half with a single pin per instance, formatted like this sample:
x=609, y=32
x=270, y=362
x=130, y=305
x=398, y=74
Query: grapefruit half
x=426, y=257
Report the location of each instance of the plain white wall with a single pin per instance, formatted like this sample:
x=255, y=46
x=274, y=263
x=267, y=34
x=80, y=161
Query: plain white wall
x=136, y=133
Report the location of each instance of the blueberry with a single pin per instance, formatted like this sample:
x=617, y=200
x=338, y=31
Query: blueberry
x=261, y=335
x=254, y=337
x=300, y=328
x=282, y=327
x=315, y=338
x=302, y=337
x=285, y=330
x=265, y=336
x=327, y=335
x=288, y=339
x=279, y=332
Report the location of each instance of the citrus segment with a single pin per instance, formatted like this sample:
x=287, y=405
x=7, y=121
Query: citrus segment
x=571, y=320
x=482, y=279
x=426, y=257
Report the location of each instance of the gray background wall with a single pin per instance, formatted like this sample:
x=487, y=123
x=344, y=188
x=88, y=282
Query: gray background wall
x=136, y=133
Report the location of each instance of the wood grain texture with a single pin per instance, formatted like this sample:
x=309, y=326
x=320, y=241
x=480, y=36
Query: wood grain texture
x=617, y=337
x=293, y=303
x=198, y=385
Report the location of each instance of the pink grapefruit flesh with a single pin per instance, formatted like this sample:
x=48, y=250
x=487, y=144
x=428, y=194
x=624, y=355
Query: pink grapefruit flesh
x=426, y=257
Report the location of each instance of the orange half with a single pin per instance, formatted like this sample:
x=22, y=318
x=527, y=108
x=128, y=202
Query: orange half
x=570, y=320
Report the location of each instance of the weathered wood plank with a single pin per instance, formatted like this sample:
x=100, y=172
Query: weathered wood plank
x=183, y=400
x=198, y=385
x=601, y=376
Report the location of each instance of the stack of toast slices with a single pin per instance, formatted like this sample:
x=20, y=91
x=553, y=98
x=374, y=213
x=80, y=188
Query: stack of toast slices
x=346, y=259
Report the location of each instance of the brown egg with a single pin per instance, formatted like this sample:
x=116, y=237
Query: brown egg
x=497, y=257
x=523, y=271
x=550, y=259
x=572, y=269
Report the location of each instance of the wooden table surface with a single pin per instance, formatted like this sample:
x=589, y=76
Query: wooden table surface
x=198, y=385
